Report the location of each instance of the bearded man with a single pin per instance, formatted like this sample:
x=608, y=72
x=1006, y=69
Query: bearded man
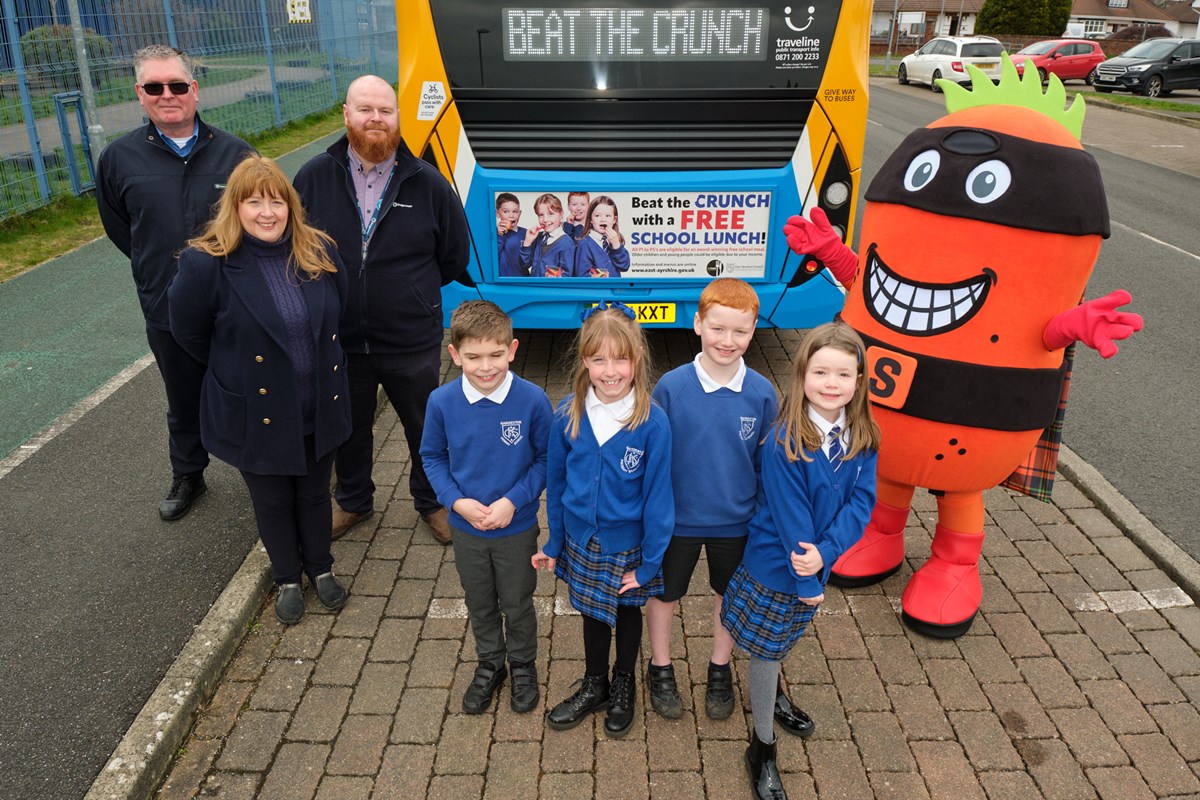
x=402, y=235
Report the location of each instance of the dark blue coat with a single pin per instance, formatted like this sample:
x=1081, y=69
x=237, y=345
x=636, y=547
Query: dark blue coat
x=223, y=314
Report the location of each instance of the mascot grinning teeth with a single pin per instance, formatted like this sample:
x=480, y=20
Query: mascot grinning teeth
x=981, y=232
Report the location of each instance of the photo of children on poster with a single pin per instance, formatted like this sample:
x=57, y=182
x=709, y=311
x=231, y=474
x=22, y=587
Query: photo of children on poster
x=630, y=235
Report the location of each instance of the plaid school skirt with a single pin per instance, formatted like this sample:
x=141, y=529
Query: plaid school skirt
x=593, y=579
x=765, y=623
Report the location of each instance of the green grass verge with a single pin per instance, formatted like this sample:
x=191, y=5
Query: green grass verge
x=29, y=239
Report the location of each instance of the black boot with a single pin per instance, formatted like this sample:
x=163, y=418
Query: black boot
x=789, y=717
x=591, y=697
x=764, y=774
x=619, y=719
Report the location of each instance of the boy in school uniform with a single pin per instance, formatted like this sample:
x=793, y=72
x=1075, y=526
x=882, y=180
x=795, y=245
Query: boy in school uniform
x=484, y=447
x=718, y=409
x=575, y=223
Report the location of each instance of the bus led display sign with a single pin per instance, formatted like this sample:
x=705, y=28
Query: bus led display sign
x=635, y=34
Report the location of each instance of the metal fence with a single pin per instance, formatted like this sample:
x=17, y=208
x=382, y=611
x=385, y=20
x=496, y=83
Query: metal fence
x=66, y=73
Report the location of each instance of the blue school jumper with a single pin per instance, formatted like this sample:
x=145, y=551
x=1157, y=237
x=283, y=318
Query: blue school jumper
x=590, y=254
x=619, y=492
x=508, y=258
x=716, y=457
x=488, y=450
x=573, y=230
x=540, y=256
x=807, y=501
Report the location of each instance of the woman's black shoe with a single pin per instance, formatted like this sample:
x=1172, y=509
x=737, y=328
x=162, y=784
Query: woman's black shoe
x=289, y=603
x=591, y=697
x=524, y=685
x=478, y=697
x=330, y=592
x=764, y=774
x=619, y=719
x=791, y=718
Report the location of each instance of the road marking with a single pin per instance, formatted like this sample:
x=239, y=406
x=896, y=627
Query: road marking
x=46, y=434
x=1157, y=241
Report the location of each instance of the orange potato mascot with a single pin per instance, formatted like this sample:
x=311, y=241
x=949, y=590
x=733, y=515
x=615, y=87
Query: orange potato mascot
x=979, y=236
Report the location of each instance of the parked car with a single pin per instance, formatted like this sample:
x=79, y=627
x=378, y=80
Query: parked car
x=1069, y=59
x=947, y=57
x=1156, y=67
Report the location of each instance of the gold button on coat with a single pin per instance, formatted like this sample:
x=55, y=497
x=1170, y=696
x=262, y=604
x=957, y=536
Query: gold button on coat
x=266, y=420
x=262, y=391
x=258, y=359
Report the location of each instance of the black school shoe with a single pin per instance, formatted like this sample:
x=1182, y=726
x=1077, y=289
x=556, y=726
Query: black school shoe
x=592, y=696
x=664, y=691
x=718, y=697
x=487, y=680
x=524, y=686
x=791, y=718
x=621, y=693
x=184, y=490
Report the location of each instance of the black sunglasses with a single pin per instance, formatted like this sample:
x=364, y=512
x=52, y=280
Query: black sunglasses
x=177, y=88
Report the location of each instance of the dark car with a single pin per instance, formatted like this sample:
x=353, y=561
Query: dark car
x=1156, y=67
x=1069, y=59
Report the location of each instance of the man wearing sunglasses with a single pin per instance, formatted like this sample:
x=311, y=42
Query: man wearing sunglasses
x=155, y=188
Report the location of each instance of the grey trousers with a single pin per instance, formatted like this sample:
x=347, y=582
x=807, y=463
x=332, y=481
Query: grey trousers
x=498, y=582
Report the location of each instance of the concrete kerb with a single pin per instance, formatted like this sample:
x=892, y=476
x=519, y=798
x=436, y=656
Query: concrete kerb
x=144, y=755
x=1191, y=122
x=1170, y=558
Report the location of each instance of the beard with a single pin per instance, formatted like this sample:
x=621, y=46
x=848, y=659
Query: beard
x=371, y=148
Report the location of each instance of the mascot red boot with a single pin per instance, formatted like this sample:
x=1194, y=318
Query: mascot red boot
x=979, y=236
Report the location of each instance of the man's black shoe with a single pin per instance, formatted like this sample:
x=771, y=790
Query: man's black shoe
x=184, y=489
x=524, y=686
x=289, y=603
x=718, y=697
x=664, y=691
x=478, y=697
x=619, y=719
x=591, y=697
x=791, y=718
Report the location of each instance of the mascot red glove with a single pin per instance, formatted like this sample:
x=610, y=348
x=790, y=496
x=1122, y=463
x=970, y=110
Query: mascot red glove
x=973, y=264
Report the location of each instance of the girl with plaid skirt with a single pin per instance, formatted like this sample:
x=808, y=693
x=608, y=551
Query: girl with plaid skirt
x=818, y=480
x=610, y=508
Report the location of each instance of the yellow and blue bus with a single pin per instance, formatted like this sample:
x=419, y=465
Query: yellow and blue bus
x=692, y=128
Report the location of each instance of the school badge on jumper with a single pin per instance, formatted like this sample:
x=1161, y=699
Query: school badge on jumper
x=510, y=432
x=632, y=459
x=748, y=425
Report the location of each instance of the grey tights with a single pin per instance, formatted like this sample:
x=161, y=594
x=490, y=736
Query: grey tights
x=764, y=679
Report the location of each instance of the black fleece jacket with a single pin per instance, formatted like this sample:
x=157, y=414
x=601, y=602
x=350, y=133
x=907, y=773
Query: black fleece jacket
x=420, y=243
x=152, y=200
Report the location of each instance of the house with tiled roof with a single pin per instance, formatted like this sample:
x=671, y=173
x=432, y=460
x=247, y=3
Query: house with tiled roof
x=1103, y=17
x=909, y=23
x=1186, y=14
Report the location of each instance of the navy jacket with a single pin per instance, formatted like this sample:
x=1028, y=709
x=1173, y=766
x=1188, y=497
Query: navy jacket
x=152, y=201
x=420, y=243
x=223, y=314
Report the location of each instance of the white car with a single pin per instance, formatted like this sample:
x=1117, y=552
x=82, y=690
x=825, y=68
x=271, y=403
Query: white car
x=947, y=57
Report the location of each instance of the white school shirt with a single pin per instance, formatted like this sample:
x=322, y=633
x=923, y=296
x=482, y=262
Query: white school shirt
x=709, y=385
x=825, y=426
x=607, y=418
x=497, y=396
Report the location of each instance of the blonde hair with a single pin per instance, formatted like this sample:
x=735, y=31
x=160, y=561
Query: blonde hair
x=610, y=330
x=549, y=200
x=258, y=175
x=793, y=428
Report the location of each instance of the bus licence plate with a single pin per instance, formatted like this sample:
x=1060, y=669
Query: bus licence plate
x=652, y=313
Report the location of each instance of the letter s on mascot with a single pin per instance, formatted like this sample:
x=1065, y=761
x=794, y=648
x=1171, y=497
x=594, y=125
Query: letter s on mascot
x=980, y=234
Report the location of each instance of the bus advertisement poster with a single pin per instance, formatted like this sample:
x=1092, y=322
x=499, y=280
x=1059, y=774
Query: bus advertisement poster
x=602, y=234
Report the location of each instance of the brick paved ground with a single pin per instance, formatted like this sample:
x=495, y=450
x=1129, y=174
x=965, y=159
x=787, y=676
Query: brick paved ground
x=1080, y=678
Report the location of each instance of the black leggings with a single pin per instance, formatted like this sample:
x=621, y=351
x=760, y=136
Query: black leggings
x=597, y=637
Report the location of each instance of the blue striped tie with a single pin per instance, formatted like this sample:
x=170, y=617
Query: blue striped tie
x=835, y=447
